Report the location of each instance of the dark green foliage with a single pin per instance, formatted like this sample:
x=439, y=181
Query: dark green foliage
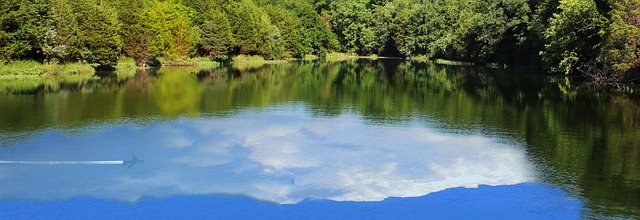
x=252, y=30
x=134, y=30
x=22, y=28
x=98, y=36
x=213, y=28
x=62, y=38
x=541, y=12
x=573, y=36
x=288, y=25
x=478, y=31
x=495, y=29
x=425, y=29
x=352, y=22
x=621, y=49
x=216, y=37
x=84, y=31
x=248, y=24
x=316, y=36
x=98, y=31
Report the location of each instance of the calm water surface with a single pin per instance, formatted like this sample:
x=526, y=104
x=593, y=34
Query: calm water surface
x=381, y=139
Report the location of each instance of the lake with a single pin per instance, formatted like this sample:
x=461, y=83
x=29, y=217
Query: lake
x=367, y=139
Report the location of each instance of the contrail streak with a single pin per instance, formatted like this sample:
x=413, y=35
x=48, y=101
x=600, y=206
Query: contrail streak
x=91, y=162
x=134, y=160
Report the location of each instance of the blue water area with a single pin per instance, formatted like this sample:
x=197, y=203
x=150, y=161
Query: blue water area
x=521, y=201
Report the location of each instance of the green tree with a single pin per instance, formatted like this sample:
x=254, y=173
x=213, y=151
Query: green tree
x=100, y=42
x=23, y=25
x=352, y=21
x=393, y=19
x=134, y=32
x=252, y=29
x=172, y=29
x=573, y=37
x=621, y=44
x=213, y=27
x=288, y=24
x=52, y=51
x=216, y=37
x=62, y=40
x=494, y=29
x=423, y=27
x=276, y=43
x=315, y=34
x=83, y=30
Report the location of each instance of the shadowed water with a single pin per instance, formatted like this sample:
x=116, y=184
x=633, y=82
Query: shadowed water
x=353, y=131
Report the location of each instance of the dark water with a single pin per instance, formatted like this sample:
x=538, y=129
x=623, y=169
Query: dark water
x=321, y=140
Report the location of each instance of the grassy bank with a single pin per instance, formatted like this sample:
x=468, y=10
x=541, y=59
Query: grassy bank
x=183, y=61
x=248, y=59
x=336, y=56
x=309, y=57
x=247, y=62
x=33, y=69
x=22, y=76
x=126, y=63
x=127, y=66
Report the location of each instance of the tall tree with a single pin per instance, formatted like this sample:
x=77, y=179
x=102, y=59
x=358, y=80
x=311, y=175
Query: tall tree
x=621, y=49
x=573, y=36
x=134, y=31
x=252, y=28
x=216, y=37
x=23, y=25
x=289, y=27
x=172, y=29
x=214, y=30
x=99, y=27
x=352, y=22
x=315, y=32
x=84, y=31
x=62, y=40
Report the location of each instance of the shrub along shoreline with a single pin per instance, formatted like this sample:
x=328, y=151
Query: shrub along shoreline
x=33, y=69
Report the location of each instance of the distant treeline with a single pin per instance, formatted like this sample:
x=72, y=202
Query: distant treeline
x=599, y=39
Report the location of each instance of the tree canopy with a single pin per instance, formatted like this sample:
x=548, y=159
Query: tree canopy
x=573, y=37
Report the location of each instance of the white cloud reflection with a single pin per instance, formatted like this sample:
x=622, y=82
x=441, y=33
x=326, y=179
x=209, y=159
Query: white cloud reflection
x=284, y=157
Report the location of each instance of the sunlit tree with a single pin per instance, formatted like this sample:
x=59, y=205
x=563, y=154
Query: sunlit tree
x=172, y=29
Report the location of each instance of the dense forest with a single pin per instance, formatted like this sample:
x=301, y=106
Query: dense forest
x=597, y=39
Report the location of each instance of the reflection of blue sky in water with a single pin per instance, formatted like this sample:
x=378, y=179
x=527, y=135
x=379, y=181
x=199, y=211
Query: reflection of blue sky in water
x=283, y=157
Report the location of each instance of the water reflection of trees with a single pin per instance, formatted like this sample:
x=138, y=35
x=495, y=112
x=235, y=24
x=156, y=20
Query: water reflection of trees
x=177, y=94
x=588, y=140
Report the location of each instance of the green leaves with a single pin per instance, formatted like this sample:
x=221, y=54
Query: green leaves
x=134, y=30
x=171, y=28
x=352, y=21
x=287, y=31
x=573, y=36
x=22, y=26
x=99, y=31
x=99, y=39
x=480, y=31
x=84, y=31
x=253, y=30
x=216, y=38
x=621, y=44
